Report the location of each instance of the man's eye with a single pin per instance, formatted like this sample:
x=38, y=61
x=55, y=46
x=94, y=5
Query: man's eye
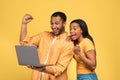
x=74, y=28
x=56, y=23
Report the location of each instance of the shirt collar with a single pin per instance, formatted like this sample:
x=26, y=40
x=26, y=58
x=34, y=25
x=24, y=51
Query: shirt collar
x=60, y=36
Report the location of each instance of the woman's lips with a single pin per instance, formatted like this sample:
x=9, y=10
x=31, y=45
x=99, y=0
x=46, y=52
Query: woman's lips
x=72, y=35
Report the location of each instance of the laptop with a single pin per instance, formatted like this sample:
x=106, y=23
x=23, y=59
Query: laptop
x=28, y=55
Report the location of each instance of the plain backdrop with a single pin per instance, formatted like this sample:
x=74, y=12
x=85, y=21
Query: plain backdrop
x=101, y=16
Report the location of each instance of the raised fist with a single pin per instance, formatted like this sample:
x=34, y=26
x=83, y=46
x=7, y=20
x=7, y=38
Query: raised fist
x=27, y=18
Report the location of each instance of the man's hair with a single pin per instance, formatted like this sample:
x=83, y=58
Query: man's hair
x=61, y=15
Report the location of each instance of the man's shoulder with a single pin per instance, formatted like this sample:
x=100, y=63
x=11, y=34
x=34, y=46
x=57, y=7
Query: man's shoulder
x=68, y=43
x=64, y=39
x=45, y=32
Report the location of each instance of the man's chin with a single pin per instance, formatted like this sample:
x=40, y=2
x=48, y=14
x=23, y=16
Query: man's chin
x=56, y=34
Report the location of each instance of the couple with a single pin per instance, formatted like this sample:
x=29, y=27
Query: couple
x=58, y=48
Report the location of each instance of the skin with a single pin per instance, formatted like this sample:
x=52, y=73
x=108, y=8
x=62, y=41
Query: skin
x=57, y=26
x=26, y=19
x=90, y=59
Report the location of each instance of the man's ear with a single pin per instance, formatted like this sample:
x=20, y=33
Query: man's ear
x=64, y=24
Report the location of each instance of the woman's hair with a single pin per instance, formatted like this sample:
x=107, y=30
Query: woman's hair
x=82, y=24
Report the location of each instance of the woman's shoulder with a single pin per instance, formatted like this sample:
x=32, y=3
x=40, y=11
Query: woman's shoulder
x=87, y=41
x=88, y=44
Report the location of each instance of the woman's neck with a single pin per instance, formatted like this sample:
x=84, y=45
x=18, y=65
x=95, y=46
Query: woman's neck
x=80, y=39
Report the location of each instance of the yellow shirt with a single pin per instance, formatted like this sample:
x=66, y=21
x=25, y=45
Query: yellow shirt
x=59, y=53
x=85, y=46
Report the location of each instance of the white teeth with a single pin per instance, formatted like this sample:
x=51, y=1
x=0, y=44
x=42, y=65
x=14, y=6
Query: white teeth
x=72, y=34
x=55, y=28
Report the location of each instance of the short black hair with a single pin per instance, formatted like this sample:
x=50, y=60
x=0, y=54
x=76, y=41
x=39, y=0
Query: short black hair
x=60, y=14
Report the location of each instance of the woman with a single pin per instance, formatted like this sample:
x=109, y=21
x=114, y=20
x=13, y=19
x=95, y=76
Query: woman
x=85, y=53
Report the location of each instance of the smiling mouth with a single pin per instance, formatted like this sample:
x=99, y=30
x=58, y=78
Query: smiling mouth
x=73, y=36
x=55, y=29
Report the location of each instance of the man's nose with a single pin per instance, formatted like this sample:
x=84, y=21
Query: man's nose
x=53, y=26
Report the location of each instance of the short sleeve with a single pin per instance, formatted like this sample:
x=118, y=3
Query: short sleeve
x=88, y=45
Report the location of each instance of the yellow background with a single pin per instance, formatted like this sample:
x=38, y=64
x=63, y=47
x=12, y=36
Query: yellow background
x=102, y=17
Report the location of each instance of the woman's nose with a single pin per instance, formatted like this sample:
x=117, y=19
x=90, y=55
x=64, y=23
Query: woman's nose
x=71, y=31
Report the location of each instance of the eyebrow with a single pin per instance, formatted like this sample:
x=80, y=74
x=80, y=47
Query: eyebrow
x=75, y=26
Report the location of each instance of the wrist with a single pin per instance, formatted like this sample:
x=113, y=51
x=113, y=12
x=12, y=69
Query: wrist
x=24, y=23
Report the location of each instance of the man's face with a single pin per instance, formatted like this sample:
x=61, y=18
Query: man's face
x=57, y=25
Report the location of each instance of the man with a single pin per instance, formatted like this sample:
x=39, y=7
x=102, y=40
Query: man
x=52, y=48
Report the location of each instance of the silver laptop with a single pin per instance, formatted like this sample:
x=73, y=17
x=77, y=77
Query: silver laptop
x=28, y=55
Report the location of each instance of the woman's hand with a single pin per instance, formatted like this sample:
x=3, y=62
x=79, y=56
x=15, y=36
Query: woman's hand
x=77, y=49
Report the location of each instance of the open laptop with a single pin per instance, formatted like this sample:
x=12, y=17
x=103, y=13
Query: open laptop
x=28, y=55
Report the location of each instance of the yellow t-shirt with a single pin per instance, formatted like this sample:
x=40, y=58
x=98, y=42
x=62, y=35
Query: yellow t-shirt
x=85, y=46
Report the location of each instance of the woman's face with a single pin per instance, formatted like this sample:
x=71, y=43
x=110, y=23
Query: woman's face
x=75, y=31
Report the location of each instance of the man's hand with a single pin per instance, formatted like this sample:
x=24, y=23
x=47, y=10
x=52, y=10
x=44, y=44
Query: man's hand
x=68, y=38
x=41, y=69
x=27, y=18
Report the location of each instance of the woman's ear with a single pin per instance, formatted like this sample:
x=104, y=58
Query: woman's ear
x=81, y=31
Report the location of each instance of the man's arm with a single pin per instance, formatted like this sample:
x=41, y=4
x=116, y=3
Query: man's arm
x=62, y=63
x=26, y=19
